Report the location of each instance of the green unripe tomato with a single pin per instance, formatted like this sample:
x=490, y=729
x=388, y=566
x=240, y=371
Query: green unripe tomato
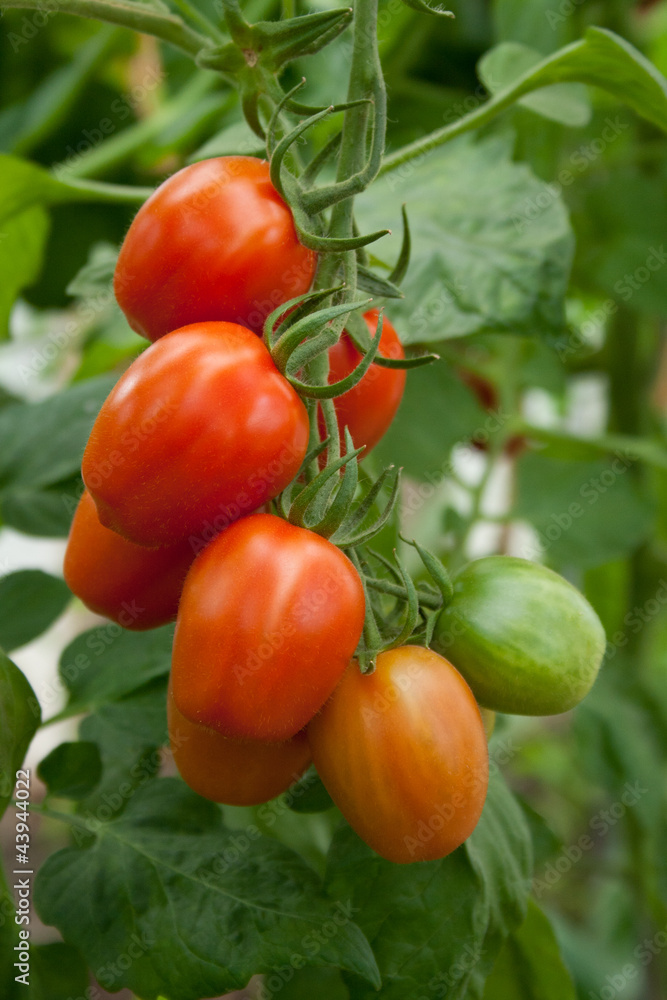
x=526, y=640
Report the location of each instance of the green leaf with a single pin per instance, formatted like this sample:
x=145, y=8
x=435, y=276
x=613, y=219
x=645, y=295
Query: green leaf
x=604, y=59
x=52, y=99
x=22, y=241
x=128, y=735
x=107, y=663
x=437, y=926
x=585, y=513
x=199, y=908
x=57, y=972
x=39, y=467
x=309, y=795
x=501, y=852
x=476, y=264
x=23, y=185
x=567, y=103
x=71, y=770
x=30, y=601
x=19, y=718
x=43, y=512
x=529, y=966
x=96, y=275
x=436, y=412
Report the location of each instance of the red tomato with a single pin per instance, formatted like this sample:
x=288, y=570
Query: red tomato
x=201, y=429
x=235, y=772
x=269, y=618
x=369, y=408
x=402, y=752
x=137, y=587
x=214, y=242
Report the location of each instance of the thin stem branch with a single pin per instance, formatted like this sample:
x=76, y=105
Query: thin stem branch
x=136, y=16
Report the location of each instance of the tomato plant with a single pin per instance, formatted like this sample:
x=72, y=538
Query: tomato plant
x=201, y=429
x=402, y=752
x=214, y=242
x=137, y=587
x=204, y=210
x=270, y=616
x=525, y=639
x=238, y=772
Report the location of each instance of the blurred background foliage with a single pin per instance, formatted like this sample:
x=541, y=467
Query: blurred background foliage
x=539, y=274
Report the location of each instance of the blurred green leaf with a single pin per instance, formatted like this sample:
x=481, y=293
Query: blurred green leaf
x=30, y=601
x=567, y=103
x=529, y=966
x=437, y=412
x=107, y=663
x=19, y=718
x=484, y=256
x=41, y=445
x=96, y=275
x=585, y=513
x=158, y=873
x=50, y=102
x=22, y=240
x=71, y=770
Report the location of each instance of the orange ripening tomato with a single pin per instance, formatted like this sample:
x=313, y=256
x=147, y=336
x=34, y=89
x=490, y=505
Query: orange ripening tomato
x=270, y=616
x=368, y=409
x=236, y=772
x=136, y=587
x=201, y=429
x=403, y=754
x=214, y=242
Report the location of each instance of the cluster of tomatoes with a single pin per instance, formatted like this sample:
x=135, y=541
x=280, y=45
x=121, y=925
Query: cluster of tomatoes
x=194, y=441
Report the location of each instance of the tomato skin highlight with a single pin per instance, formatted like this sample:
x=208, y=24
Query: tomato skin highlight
x=234, y=772
x=270, y=616
x=525, y=639
x=214, y=242
x=200, y=430
x=403, y=754
x=136, y=587
x=369, y=408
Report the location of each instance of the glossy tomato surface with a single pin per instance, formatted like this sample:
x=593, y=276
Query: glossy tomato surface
x=270, y=616
x=236, y=772
x=369, y=408
x=136, y=587
x=214, y=242
x=525, y=639
x=403, y=754
x=201, y=429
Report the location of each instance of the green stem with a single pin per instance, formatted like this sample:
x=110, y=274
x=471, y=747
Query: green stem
x=118, y=148
x=133, y=15
x=386, y=587
x=633, y=448
x=486, y=112
x=116, y=193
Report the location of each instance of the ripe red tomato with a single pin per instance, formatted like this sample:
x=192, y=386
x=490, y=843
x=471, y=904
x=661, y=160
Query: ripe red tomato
x=136, y=587
x=369, y=408
x=201, y=429
x=403, y=754
x=269, y=618
x=214, y=242
x=236, y=772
